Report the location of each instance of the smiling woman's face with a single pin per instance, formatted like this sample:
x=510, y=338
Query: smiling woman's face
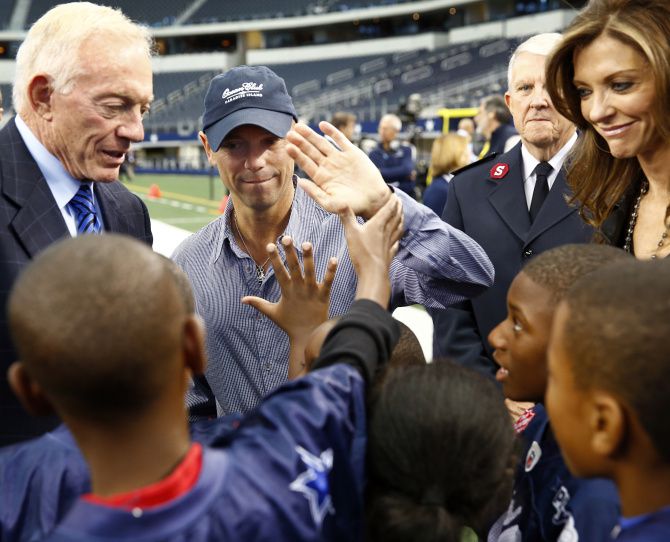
x=616, y=87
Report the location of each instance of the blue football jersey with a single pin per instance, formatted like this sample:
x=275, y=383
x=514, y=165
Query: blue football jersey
x=550, y=504
x=41, y=479
x=292, y=471
x=654, y=527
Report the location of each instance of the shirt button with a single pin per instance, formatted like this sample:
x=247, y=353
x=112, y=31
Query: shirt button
x=268, y=366
x=527, y=253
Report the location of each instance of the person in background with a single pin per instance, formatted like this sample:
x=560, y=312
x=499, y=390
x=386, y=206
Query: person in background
x=394, y=159
x=610, y=76
x=466, y=128
x=513, y=204
x=345, y=122
x=449, y=153
x=494, y=123
x=83, y=83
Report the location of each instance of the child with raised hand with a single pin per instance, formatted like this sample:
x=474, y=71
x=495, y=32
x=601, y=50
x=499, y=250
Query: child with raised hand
x=609, y=365
x=292, y=470
x=440, y=468
x=549, y=504
x=304, y=302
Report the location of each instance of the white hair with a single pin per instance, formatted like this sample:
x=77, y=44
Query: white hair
x=540, y=44
x=53, y=44
x=393, y=119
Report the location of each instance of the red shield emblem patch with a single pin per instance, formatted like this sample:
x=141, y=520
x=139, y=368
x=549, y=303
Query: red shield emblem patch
x=499, y=171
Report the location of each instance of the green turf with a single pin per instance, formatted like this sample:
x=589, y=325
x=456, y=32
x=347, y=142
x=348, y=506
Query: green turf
x=192, y=185
x=185, y=199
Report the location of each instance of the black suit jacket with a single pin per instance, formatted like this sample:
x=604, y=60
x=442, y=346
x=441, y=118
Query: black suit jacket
x=29, y=222
x=495, y=214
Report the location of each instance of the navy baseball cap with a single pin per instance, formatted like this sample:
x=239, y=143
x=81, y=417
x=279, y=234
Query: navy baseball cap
x=246, y=95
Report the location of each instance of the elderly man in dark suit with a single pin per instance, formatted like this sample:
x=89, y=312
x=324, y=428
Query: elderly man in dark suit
x=83, y=82
x=513, y=204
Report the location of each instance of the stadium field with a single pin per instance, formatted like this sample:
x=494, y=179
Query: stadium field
x=185, y=200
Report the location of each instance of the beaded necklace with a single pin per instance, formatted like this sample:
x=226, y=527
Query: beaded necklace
x=644, y=188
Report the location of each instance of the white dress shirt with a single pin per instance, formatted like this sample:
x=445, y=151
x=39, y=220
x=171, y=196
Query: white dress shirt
x=530, y=163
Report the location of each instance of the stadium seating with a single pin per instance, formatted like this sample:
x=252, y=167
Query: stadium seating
x=144, y=11
x=6, y=10
x=455, y=76
x=215, y=11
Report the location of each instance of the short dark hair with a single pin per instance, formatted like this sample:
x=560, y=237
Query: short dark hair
x=557, y=269
x=441, y=452
x=408, y=349
x=496, y=104
x=342, y=118
x=97, y=319
x=617, y=338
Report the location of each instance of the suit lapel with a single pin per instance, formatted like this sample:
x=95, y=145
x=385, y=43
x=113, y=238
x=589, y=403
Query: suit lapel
x=508, y=197
x=108, y=206
x=113, y=217
x=38, y=221
x=554, y=210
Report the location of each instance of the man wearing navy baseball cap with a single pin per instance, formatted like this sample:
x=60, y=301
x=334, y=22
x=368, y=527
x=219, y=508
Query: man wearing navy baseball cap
x=247, y=95
x=248, y=117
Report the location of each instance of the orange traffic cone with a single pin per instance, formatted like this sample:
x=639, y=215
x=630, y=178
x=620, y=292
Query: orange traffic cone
x=154, y=191
x=222, y=205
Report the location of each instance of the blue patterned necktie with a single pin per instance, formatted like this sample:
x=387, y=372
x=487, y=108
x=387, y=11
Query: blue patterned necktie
x=84, y=211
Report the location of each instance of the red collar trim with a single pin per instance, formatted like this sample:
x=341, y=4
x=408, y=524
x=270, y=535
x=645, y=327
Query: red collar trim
x=177, y=483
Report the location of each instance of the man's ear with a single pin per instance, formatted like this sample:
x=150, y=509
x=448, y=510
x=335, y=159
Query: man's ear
x=40, y=93
x=208, y=149
x=508, y=97
x=609, y=425
x=28, y=391
x=194, y=344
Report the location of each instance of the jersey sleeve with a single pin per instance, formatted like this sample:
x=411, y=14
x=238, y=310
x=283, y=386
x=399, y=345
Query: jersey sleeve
x=298, y=461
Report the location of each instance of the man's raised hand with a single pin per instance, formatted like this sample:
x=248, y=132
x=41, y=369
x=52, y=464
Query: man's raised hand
x=342, y=178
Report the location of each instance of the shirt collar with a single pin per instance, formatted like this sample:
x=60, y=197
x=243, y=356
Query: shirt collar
x=556, y=161
x=295, y=228
x=62, y=185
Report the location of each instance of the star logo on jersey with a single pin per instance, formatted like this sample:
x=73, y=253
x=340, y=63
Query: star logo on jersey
x=313, y=483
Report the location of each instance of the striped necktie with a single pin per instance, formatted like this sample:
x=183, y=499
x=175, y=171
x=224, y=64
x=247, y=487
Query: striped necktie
x=84, y=211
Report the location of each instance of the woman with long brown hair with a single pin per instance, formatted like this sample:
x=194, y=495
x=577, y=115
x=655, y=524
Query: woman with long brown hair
x=611, y=76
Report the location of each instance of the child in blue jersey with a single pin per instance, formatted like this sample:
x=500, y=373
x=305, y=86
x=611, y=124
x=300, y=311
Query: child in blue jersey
x=609, y=365
x=548, y=504
x=108, y=337
x=440, y=446
x=292, y=470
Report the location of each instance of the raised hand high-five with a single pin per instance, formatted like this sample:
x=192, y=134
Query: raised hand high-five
x=372, y=246
x=342, y=178
x=304, y=302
